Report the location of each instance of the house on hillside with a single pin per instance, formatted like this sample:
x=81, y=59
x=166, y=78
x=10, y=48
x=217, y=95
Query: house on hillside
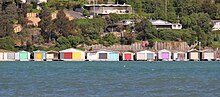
x=216, y=25
x=33, y=19
x=105, y=9
x=70, y=14
x=17, y=28
x=28, y=1
x=161, y=24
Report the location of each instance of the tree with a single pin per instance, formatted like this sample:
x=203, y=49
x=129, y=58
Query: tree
x=62, y=24
x=7, y=43
x=75, y=40
x=62, y=43
x=145, y=30
x=109, y=39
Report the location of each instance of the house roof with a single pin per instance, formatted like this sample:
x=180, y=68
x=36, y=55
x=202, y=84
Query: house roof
x=161, y=22
x=73, y=14
x=215, y=21
x=107, y=5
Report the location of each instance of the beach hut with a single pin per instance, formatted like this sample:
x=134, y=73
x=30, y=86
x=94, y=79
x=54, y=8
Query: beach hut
x=103, y=55
x=92, y=56
x=9, y=56
x=164, y=55
x=207, y=55
x=22, y=56
x=179, y=56
x=72, y=54
x=193, y=55
x=145, y=55
x=1, y=56
x=127, y=56
x=52, y=55
x=39, y=55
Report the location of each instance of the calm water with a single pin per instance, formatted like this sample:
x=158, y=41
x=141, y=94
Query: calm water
x=94, y=79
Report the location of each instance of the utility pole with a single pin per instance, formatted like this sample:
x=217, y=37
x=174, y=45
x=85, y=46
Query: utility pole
x=93, y=8
x=165, y=9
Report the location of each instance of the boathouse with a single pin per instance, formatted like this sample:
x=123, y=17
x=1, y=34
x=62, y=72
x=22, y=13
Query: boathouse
x=179, y=56
x=145, y=55
x=22, y=56
x=193, y=55
x=72, y=54
x=9, y=56
x=39, y=55
x=103, y=55
x=164, y=55
x=1, y=56
x=207, y=55
x=52, y=55
x=128, y=56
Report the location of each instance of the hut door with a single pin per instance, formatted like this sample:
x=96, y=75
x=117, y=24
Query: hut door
x=127, y=57
x=67, y=55
x=113, y=56
x=165, y=55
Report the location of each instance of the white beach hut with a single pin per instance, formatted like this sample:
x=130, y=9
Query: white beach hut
x=103, y=55
x=193, y=55
x=179, y=56
x=145, y=55
x=207, y=55
x=72, y=54
x=164, y=55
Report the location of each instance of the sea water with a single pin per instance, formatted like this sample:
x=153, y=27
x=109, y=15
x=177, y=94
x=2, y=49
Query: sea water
x=111, y=79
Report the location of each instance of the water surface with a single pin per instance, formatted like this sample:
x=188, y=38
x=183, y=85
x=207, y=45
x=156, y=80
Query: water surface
x=95, y=79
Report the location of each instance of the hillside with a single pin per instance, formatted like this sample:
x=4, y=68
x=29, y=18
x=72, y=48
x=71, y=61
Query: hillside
x=62, y=32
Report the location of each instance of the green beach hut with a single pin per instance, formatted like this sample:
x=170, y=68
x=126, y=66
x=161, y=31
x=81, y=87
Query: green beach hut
x=24, y=56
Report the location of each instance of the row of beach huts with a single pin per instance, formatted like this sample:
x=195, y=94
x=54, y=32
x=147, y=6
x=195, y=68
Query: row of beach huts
x=73, y=54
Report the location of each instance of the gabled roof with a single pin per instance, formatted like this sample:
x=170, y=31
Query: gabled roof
x=193, y=50
x=23, y=51
x=127, y=53
x=164, y=50
x=39, y=51
x=51, y=51
x=207, y=50
x=145, y=51
x=102, y=50
x=71, y=50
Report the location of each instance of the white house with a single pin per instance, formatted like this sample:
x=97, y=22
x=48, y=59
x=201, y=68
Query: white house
x=38, y=1
x=105, y=9
x=161, y=24
x=216, y=25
